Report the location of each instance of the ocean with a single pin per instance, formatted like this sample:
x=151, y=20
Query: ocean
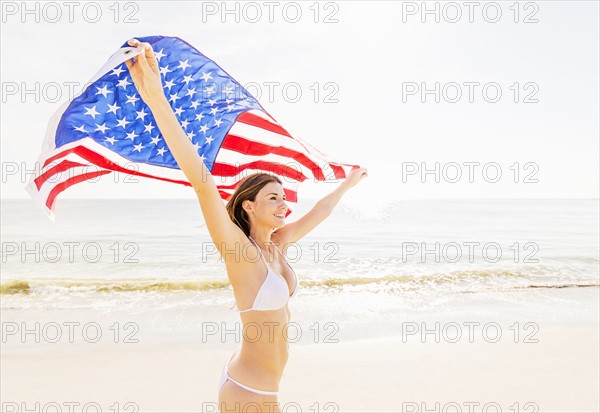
x=407, y=257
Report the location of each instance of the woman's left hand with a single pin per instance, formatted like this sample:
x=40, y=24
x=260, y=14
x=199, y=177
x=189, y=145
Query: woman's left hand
x=354, y=176
x=145, y=73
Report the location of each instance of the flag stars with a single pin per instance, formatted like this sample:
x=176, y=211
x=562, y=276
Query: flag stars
x=132, y=136
x=159, y=55
x=212, y=102
x=124, y=83
x=218, y=122
x=199, y=116
x=178, y=111
x=169, y=84
x=155, y=140
x=91, y=111
x=161, y=151
x=183, y=65
x=113, y=108
x=191, y=135
x=138, y=147
x=214, y=111
x=184, y=124
x=173, y=98
x=102, y=128
x=141, y=114
x=203, y=129
x=132, y=99
x=209, y=139
x=148, y=128
x=81, y=129
x=194, y=104
x=110, y=139
x=206, y=76
x=230, y=108
x=117, y=71
x=103, y=91
x=197, y=146
x=164, y=70
x=187, y=79
x=123, y=122
x=210, y=91
x=191, y=93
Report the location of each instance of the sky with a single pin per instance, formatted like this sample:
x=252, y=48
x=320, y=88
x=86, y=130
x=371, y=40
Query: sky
x=517, y=115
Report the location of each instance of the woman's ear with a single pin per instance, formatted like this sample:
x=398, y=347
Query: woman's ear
x=247, y=205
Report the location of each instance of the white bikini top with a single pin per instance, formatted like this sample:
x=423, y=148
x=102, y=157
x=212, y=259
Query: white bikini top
x=274, y=292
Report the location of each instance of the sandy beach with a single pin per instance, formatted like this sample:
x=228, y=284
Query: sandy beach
x=553, y=367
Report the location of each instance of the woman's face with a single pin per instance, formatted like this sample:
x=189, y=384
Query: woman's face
x=269, y=208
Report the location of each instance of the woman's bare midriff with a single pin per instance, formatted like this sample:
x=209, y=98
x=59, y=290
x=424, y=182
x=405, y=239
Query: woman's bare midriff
x=261, y=360
x=264, y=352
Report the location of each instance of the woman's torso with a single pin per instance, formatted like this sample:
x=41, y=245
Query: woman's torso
x=264, y=350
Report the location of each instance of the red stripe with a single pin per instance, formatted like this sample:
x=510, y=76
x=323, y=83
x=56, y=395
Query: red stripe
x=60, y=155
x=99, y=160
x=338, y=171
x=61, y=167
x=254, y=120
x=226, y=197
x=223, y=169
x=291, y=195
x=58, y=188
x=249, y=147
x=219, y=169
x=232, y=186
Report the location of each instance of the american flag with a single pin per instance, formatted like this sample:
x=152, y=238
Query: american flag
x=108, y=128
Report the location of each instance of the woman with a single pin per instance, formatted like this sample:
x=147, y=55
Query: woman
x=251, y=235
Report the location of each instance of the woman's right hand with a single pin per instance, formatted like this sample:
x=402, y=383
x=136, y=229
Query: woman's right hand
x=145, y=73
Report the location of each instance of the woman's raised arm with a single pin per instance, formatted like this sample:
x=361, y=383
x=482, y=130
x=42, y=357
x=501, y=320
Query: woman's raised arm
x=146, y=77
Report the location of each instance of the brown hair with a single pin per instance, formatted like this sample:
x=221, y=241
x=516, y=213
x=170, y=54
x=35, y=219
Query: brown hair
x=247, y=190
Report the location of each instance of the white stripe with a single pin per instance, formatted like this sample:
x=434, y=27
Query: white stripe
x=230, y=180
x=236, y=159
x=256, y=134
x=233, y=158
x=302, y=145
x=243, y=130
x=170, y=173
x=286, y=186
x=39, y=200
x=264, y=116
x=63, y=177
x=70, y=157
x=125, y=163
x=260, y=135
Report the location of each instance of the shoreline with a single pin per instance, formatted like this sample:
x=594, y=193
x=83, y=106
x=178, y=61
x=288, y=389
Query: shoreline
x=176, y=318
